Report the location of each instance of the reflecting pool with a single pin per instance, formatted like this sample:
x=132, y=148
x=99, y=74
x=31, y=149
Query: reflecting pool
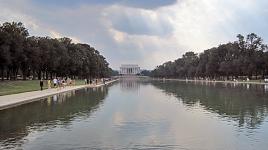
x=143, y=114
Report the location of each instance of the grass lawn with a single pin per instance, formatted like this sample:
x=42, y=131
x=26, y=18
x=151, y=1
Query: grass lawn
x=13, y=87
x=79, y=82
x=19, y=86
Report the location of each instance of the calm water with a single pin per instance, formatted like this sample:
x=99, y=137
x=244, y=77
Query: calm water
x=142, y=114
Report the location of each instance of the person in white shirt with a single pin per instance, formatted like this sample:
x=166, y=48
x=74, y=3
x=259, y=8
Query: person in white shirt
x=55, y=81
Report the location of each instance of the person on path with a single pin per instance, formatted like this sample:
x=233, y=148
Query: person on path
x=41, y=84
x=64, y=83
x=103, y=80
x=55, y=81
x=73, y=82
x=59, y=83
x=48, y=84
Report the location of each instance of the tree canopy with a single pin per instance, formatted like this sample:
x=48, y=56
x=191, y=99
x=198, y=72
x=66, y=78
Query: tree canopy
x=248, y=56
x=45, y=57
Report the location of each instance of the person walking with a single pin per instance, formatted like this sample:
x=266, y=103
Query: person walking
x=59, y=81
x=41, y=84
x=55, y=81
x=103, y=80
x=48, y=84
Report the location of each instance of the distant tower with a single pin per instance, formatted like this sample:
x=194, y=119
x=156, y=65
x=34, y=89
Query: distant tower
x=129, y=69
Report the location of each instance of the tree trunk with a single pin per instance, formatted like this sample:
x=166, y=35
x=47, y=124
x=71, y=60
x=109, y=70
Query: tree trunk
x=2, y=74
x=24, y=74
x=8, y=74
x=16, y=73
x=46, y=75
x=34, y=74
x=39, y=75
x=13, y=74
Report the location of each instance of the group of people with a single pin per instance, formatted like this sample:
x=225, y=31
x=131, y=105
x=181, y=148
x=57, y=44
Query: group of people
x=87, y=81
x=57, y=83
x=62, y=82
x=96, y=81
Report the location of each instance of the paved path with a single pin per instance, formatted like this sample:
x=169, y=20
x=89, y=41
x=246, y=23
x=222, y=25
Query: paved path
x=13, y=100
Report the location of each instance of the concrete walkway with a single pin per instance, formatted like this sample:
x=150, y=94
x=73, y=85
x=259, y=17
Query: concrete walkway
x=13, y=100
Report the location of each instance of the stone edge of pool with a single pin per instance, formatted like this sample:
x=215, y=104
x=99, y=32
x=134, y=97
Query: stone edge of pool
x=9, y=101
x=211, y=81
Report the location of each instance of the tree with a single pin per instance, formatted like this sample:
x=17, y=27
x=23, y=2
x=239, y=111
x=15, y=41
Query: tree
x=47, y=57
x=244, y=57
x=15, y=35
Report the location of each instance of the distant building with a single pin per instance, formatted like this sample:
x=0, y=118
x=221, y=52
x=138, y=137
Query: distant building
x=129, y=69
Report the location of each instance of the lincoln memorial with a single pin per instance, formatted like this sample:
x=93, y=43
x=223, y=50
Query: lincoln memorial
x=129, y=69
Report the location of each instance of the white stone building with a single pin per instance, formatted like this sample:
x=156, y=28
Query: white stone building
x=129, y=69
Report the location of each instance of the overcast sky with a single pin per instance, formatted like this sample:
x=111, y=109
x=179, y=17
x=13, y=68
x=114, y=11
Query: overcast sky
x=144, y=32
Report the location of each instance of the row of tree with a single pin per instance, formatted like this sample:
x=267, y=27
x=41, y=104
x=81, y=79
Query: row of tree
x=246, y=57
x=27, y=56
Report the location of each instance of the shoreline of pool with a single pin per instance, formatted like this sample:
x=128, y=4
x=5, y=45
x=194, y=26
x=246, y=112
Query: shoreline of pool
x=211, y=81
x=13, y=100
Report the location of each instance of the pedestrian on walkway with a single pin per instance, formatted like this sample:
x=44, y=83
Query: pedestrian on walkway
x=48, y=84
x=103, y=80
x=55, y=81
x=59, y=83
x=41, y=84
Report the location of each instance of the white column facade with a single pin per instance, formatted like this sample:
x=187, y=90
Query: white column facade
x=129, y=69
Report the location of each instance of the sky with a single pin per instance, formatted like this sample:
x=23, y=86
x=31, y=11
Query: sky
x=143, y=32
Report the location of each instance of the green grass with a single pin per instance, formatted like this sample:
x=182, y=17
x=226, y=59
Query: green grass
x=79, y=82
x=14, y=87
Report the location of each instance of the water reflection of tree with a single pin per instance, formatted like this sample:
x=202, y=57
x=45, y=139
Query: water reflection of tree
x=248, y=106
x=16, y=123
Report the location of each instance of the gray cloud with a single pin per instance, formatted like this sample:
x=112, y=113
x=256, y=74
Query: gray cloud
x=148, y=4
x=145, y=4
x=139, y=22
x=142, y=32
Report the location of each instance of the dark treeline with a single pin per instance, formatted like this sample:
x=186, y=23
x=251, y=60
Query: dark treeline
x=246, y=57
x=27, y=56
